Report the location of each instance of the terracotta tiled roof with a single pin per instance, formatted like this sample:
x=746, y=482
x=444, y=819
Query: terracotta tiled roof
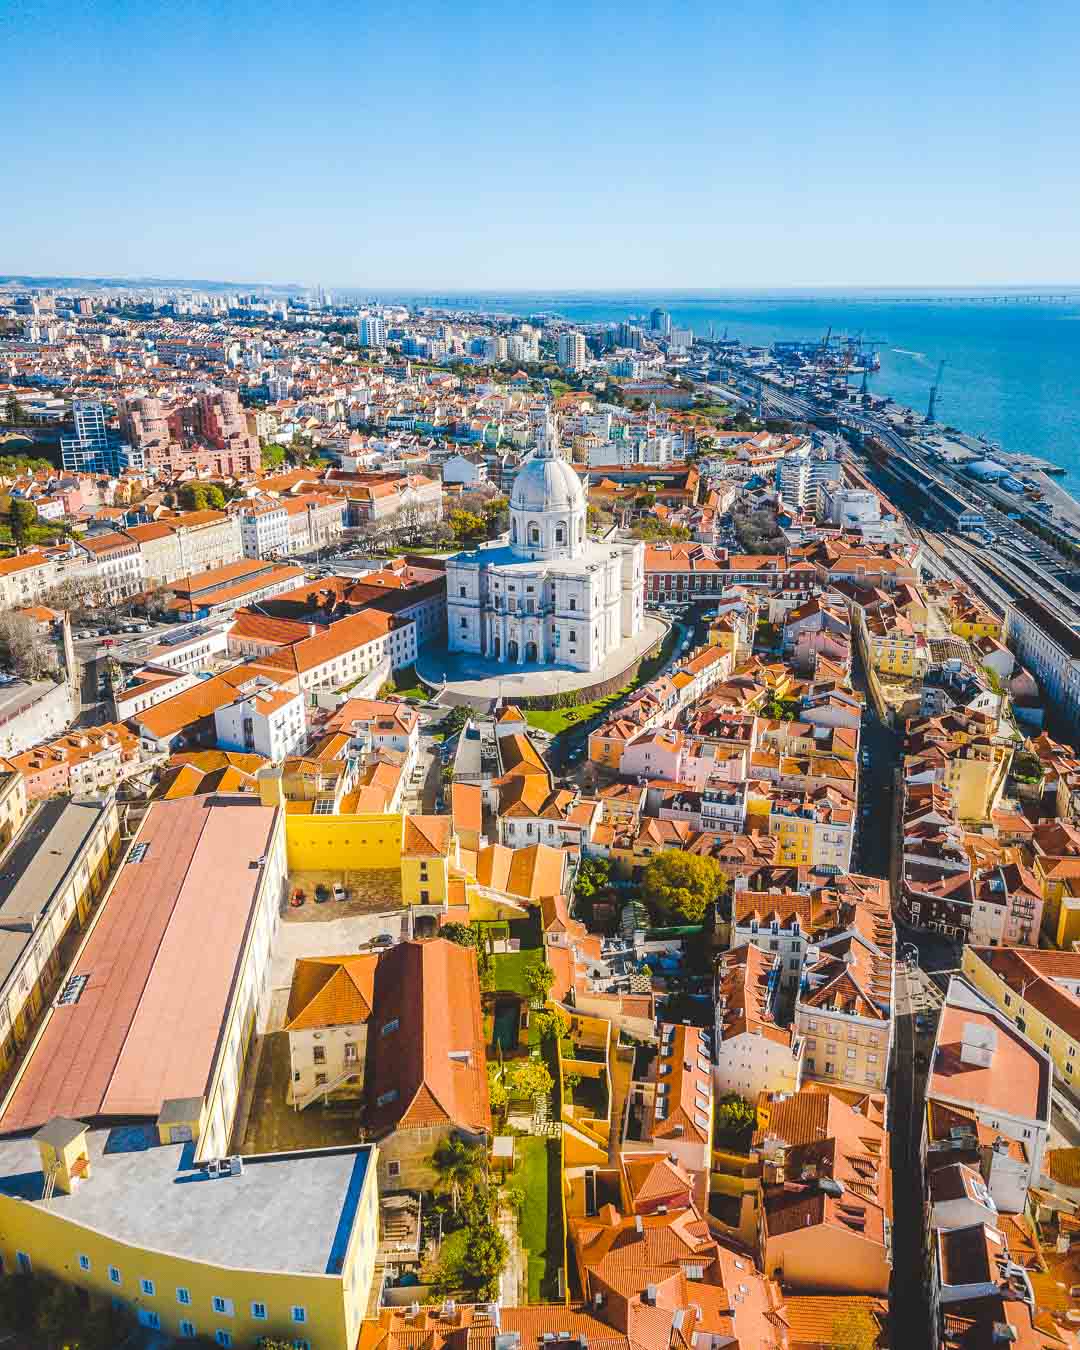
x=429, y=1066
x=331, y=991
x=426, y=837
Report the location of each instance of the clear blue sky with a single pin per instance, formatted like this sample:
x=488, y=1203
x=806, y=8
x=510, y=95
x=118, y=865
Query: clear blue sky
x=479, y=145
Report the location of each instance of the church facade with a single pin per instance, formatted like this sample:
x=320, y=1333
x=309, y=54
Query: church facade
x=548, y=596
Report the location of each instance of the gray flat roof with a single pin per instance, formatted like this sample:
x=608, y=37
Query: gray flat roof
x=290, y=1212
x=41, y=854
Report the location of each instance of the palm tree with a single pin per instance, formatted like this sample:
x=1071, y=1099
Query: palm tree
x=460, y=1167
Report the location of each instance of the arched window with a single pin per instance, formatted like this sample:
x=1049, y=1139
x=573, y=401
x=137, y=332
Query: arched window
x=580, y=530
x=513, y=531
x=534, y=534
x=560, y=534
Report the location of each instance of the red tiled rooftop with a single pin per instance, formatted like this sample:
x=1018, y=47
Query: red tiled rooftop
x=160, y=960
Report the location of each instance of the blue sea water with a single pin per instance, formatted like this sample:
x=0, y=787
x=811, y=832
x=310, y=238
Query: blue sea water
x=1012, y=370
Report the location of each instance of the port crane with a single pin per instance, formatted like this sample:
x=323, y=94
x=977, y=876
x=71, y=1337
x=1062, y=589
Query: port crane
x=931, y=407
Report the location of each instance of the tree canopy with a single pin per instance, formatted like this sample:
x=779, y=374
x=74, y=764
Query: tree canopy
x=201, y=497
x=21, y=516
x=680, y=886
x=735, y=1120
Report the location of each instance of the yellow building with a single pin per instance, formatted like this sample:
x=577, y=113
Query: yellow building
x=428, y=848
x=12, y=805
x=281, y=1245
x=975, y=774
x=977, y=622
x=50, y=879
x=607, y=743
x=1039, y=991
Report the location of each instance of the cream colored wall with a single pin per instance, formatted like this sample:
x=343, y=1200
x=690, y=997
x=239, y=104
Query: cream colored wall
x=824, y=1259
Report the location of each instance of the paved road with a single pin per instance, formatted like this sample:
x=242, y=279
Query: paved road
x=909, y=1307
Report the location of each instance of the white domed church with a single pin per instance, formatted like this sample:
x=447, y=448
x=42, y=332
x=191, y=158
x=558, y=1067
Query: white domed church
x=550, y=596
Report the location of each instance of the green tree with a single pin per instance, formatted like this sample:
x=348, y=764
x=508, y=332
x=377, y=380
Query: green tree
x=539, y=978
x=452, y=723
x=460, y=1167
x=681, y=886
x=21, y=516
x=192, y=496
x=593, y=875
x=464, y=934
x=498, y=1092
x=13, y=412
x=273, y=456
x=735, y=1120
x=529, y=1078
x=466, y=526
x=485, y=1255
x=552, y=1024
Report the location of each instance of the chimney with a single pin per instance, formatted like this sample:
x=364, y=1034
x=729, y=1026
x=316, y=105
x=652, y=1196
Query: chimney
x=639, y=1226
x=649, y=1296
x=311, y=630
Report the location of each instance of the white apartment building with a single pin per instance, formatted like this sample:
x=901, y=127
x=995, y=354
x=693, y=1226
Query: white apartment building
x=207, y=539
x=266, y=720
x=118, y=563
x=800, y=476
x=753, y=1053
x=25, y=578
x=1050, y=648
x=372, y=331
x=572, y=351
x=314, y=522
x=264, y=528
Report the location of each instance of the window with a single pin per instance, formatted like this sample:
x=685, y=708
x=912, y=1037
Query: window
x=298, y=1313
x=258, y=1311
x=187, y=1329
x=320, y=1080
x=851, y=1054
x=393, y=1169
x=84, y=1263
x=223, y=1305
x=461, y=590
x=319, y=1054
x=390, y=1026
x=385, y=1098
x=149, y=1318
x=114, y=1275
x=183, y=1296
x=22, y=1260
x=223, y=1337
x=147, y=1287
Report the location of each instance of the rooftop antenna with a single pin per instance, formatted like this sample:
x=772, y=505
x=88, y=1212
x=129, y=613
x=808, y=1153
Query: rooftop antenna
x=931, y=407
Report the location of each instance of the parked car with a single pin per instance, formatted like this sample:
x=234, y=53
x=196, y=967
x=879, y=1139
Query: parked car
x=340, y=893
x=383, y=940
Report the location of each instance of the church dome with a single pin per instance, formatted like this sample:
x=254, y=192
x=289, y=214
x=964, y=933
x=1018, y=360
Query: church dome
x=544, y=484
x=547, y=505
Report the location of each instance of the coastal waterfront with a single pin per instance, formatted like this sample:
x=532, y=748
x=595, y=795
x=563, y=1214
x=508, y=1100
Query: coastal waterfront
x=1010, y=372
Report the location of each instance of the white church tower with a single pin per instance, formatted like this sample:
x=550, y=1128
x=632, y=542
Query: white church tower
x=549, y=596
